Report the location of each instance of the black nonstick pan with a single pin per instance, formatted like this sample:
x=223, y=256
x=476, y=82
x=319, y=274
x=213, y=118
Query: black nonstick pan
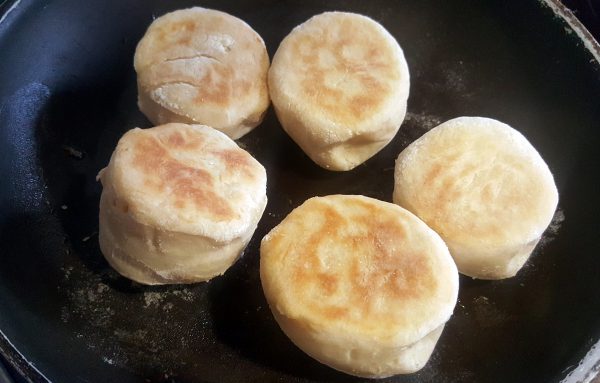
x=67, y=93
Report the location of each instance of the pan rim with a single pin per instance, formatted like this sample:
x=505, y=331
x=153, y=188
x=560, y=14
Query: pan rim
x=588, y=40
x=6, y=7
x=17, y=361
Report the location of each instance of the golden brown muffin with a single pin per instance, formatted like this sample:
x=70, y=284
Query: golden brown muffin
x=339, y=84
x=361, y=285
x=484, y=188
x=179, y=203
x=201, y=66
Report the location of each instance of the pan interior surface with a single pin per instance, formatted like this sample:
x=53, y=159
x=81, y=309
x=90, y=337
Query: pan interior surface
x=69, y=92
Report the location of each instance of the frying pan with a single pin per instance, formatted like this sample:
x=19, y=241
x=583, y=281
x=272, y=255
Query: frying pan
x=67, y=93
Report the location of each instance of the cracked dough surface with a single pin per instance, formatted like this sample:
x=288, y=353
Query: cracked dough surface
x=203, y=66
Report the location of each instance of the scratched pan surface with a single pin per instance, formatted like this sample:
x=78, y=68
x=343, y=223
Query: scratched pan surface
x=67, y=93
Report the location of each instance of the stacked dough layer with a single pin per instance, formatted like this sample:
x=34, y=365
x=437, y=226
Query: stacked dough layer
x=179, y=204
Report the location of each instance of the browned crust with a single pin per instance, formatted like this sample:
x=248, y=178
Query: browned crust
x=184, y=167
x=373, y=263
x=373, y=71
x=187, y=185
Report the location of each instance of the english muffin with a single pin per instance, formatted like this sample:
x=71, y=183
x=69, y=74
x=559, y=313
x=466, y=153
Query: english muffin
x=361, y=285
x=339, y=84
x=484, y=188
x=202, y=66
x=179, y=204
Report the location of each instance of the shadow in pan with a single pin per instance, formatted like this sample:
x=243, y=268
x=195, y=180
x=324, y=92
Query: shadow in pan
x=244, y=322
